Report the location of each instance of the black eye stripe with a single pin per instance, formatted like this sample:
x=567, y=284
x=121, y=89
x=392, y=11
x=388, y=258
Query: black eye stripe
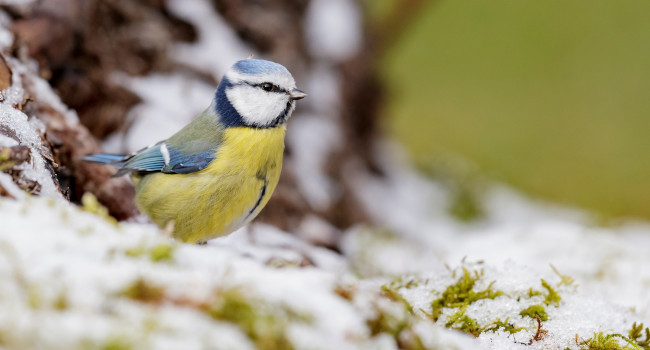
x=274, y=88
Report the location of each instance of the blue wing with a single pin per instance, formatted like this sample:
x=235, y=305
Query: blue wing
x=157, y=158
x=148, y=160
x=189, y=150
x=185, y=164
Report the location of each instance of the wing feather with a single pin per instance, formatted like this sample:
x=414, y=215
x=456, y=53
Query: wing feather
x=153, y=159
x=189, y=150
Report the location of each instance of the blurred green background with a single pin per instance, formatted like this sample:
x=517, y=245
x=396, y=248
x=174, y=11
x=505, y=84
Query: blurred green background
x=552, y=97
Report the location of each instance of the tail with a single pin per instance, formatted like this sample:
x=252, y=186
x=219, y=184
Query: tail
x=105, y=158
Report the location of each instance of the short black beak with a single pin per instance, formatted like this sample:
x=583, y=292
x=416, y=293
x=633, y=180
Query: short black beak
x=296, y=94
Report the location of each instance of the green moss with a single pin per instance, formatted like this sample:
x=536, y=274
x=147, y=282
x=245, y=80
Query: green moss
x=117, y=343
x=460, y=321
x=34, y=297
x=639, y=336
x=5, y=163
x=532, y=293
x=162, y=252
x=388, y=323
x=395, y=320
x=263, y=322
x=36, y=300
x=143, y=291
x=462, y=294
x=566, y=279
x=266, y=325
x=5, y=153
x=535, y=310
x=552, y=297
x=505, y=325
x=403, y=282
x=61, y=301
x=136, y=252
x=601, y=341
x=637, y=339
x=90, y=204
x=393, y=295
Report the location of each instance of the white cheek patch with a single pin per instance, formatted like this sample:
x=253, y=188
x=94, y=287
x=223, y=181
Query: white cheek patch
x=256, y=106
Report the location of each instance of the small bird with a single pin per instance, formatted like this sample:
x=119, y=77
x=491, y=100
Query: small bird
x=217, y=173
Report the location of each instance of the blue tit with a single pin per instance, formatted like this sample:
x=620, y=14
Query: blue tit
x=217, y=173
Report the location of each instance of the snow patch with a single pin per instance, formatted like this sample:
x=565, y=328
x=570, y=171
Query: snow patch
x=34, y=170
x=313, y=139
x=169, y=103
x=218, y=46
x=333, y=28
x=7, y=183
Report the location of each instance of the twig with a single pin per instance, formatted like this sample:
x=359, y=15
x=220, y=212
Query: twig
x=540, y=332
x=539, y=335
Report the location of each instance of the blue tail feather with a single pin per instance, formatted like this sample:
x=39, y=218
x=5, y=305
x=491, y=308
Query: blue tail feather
x=105, y=158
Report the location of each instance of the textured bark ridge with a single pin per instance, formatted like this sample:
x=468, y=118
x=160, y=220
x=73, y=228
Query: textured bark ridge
x=79, y=46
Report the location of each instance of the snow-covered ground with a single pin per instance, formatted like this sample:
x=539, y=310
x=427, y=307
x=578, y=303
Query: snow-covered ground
x=607, y=262
x=517, y=244
x=73, y=278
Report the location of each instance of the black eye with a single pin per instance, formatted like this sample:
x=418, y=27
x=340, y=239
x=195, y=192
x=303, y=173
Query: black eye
x=267, y=86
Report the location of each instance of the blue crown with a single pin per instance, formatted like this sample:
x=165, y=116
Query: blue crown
x=255, y=66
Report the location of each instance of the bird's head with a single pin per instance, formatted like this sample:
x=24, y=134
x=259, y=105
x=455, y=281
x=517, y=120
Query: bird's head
x=256, y=93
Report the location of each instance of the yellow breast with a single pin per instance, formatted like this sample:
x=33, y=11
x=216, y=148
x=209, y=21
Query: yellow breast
x=223, y=197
